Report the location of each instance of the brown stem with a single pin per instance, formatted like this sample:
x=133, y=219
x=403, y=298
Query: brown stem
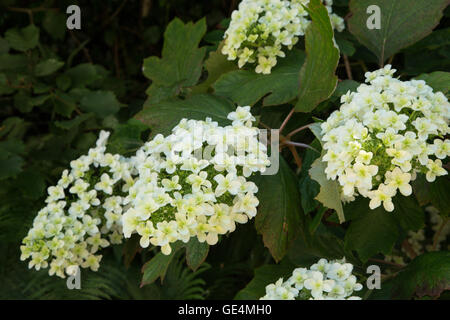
x=348, y=69
x=285, y=121
x=116, y=58
x=388, y=262
x=298, y=144
x=409, y=250
x=438, y=233
x=111, y=18
x=298, y=160
x=391, y=59
x=363, y=65
x=290, y=134
x=146, y=6
x=85, y=50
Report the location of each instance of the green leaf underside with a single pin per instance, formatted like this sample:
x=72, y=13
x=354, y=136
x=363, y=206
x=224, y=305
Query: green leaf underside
x=403, y=22
x=329, y=194
x=317, y=75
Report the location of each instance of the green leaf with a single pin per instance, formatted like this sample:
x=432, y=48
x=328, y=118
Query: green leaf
x=23, y=39
x=329, y=194
x=373, y=231
x=55, y=24
x=438, y=80
x=264, y=276
x=31, y=183
x=196, y=253
x=408, y=213
x=74, y=123
x=163, y=116
x=10, y=166
x=435, y=193
x=321, y=244
x=343, y=87
x=245, y=87
x=25, y=102
x=102, y=103
x=157, y=266
x=47, y=67
x=64, y=104
x=403, y=22
x=4, y=85
x=157, y=94
x=427, y=275
x=345, y=46
x=11, y=147
x=317, y=76
x=9, y=62
x=437, y=39
x=308, y=187
x=4, y=46
x=317, y=131
x=63, y=82
x=279, y=218
x=181, y=61
x=130, y=249
x=127, y=137
x=217, y=64
x=83, y=75
x=13, y=127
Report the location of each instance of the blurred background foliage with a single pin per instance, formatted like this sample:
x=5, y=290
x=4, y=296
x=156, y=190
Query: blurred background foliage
x=60, y=87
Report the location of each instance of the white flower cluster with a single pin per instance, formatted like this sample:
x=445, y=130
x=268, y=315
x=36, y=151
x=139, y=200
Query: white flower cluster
x=193, y=182
x=383, y=135
x=324, y=280
x=260, y=29
x=82, y=215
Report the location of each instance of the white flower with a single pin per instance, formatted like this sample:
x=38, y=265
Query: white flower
x=241, y=115
x=70, y=229
x=229, y=183
x=317, y=284
x=384, y=195
x=198, y=180
x=399, y=180
x=180, y=189
x=434, y=170
x=379, y=140
x=105, y=184
x=322, y=281
x=260, y=30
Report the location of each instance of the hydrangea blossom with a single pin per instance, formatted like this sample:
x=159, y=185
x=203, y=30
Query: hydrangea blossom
x=82, y=215
x=194, y=181
x=383, y=135
x=324, y=280
x=260, y=30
